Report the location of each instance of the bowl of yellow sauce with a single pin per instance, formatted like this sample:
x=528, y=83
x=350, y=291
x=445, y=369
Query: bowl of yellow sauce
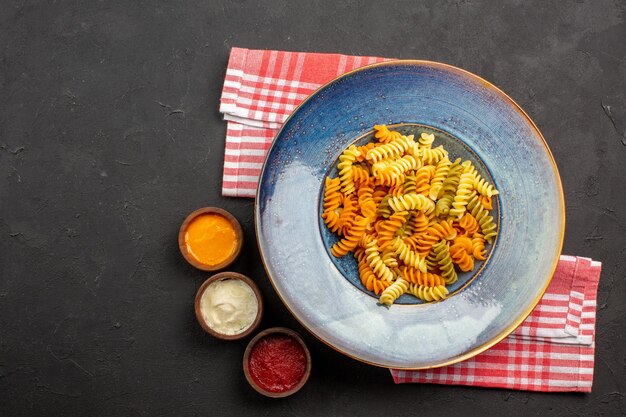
x=210, y=238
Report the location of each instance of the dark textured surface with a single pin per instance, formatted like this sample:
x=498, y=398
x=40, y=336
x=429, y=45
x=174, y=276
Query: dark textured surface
x=110, y=135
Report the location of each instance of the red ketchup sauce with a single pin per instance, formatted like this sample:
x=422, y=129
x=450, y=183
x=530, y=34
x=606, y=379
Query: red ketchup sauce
x=277, y=362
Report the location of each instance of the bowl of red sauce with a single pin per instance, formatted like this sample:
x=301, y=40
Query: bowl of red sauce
x=276, y=362
x=210, y=238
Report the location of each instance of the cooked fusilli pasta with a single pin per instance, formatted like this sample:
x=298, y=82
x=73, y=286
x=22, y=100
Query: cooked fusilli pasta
x=392, y=292
x=428, y=293
x=409, y=214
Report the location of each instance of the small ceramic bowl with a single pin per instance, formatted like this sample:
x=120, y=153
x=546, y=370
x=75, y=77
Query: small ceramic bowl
x=220, y=277
x=246, y=361
x=183, y=245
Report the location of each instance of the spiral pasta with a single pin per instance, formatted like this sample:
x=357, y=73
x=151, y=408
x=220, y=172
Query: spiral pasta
x=478, y=247
x=433, y=156
x=469, y=224
x=441, y=254
x=381, y=270
x=438, y=231
x=388, y=179
x=366, y=201
x=483, y=187
x=384, y=209
x=426, y=140
x=348, y=213
x=408, y=256
x=394, y=148
x=487, y=202
x=487, y=226
x=384, y=135
x=412, y=202
x=442, y=208
x=426, y=279
x=389, y=258
x=398, y=167
x=346, y=174
x=390, y=227
x=422, y=179
x=363, y=151
x=332, y=196
x=379, y=194
x=441, y=173
x=380, y=166
x=462, y=195
x=480, y=184
x=461, y=257
x=451, y=182
x=419, y=223
x=360, y=174
x=428, y=293
x=351, y=239
x=410, y=184
x=370, y=280
x=410, y=214
x=392, y=292
x=333, y=200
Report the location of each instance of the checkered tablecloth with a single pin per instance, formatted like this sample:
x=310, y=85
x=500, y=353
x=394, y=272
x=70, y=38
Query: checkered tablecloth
x=260, y=91
x=553, y=350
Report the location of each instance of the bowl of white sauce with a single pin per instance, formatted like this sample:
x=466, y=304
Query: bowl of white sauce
x=229, y=306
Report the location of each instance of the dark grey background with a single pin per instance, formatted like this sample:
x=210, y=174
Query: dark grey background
x=97, y=173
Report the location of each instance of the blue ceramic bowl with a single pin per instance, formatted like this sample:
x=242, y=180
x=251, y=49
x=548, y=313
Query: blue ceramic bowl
x=474, y=120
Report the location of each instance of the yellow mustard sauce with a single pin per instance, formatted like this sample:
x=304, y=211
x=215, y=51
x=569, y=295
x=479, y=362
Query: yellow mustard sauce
x=210, y=239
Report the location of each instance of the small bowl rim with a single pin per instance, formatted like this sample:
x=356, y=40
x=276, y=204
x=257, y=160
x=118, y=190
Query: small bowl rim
x=182, y=245
x=246, y=356
x=222, y=276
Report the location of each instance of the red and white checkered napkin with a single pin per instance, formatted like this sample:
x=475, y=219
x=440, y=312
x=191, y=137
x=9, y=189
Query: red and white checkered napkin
x=553, y=350
x=260, y=91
